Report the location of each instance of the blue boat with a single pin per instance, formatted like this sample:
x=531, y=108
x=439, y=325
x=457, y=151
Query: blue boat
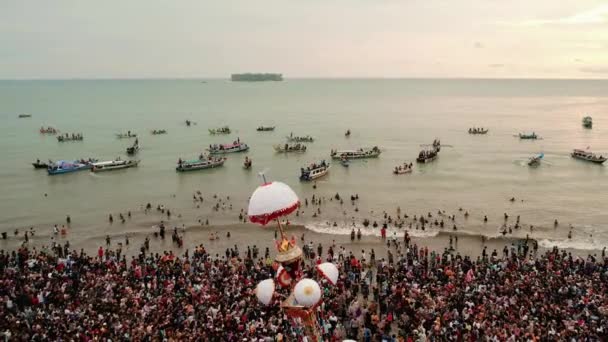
x=64, y=166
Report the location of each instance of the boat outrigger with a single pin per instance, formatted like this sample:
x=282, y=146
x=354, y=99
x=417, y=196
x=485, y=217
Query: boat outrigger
x=427, y=156
x=265, y=128
x=476, y=130
x=314, y=171
x=360, y=153
x=127, y=135
x=401, y=169
x=236, y=146
x=159, y=131
x=587, y=122
x=290, y=148
x=306, y=138
x=199, y=164
x=70, y=137
x=531, y=136
x=48, y=130
x=133, y=149
x=588, y=156
x=247, y=163
x=535, y=160
x=220, y=130
x=64, y=166
x=113, y=165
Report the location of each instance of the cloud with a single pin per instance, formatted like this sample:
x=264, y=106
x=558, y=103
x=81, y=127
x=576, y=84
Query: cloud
x=594, y=70
x=578, y=60
x=478, y=45
x=596, y=15
x=496, y=65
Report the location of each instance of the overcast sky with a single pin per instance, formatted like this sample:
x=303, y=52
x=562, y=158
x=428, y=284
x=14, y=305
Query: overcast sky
x=303, y=38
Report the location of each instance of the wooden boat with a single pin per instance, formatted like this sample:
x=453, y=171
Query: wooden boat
x=587, y=122
x=531, y=136
x=220, y=130
x=314, y=171
x=127, y=135
x=22, y=116
x=236, y=146
x=159, y=131
x=372, y=152
x=199, y=164
x=300, y=148
x=133, y=149
x=535, y=160
x=306, y=138
x=41, y=165
x=401, y=169
x=478, y=131
x=265, y=128
x=588, y=156
x=247, y=164
x=113, y=165
x=67, y=137
x=48, y=130
x=63, y=166
x=427, y=156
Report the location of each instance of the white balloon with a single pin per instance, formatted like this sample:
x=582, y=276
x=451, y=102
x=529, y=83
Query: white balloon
x=264, y=291
x=329, y=271
x=307, y=292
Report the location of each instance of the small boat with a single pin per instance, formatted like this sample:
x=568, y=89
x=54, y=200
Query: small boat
x=437, y=145
x=236, y=146
x=588, y=156
x=126, y=135
x=427, y=156
x=356, y=154
x=41, y=165
x=475, y=130
x=70, y=137
x=344, y=161
x=247, y=164
x=531, y=136
x=63, y=166
x=133, y=149
x=113, y=165
x=290, y=148
x=48, y=130
x=347, y=134
x=22, y=116
x=159, y=131
x=265, y=128
x=314, y=171
x=535, y=160
x=306, y=138
x=220, y=130
x=401, y=169
x=587, y=122
x=199, y=164
x=188, y=123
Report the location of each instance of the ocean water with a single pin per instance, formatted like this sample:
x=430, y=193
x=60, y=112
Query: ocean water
x=479, y=172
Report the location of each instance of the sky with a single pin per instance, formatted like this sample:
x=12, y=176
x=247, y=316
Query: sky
x=64, y=39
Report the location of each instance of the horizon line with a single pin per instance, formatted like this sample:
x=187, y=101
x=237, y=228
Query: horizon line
x=301, y=78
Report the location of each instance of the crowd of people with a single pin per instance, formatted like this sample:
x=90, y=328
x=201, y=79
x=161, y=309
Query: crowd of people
x=413, y=295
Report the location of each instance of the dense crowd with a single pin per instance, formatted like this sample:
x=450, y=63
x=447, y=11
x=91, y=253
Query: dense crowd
x=413, y=295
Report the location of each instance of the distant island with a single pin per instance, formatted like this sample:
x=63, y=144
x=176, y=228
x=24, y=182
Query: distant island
x=256, y=77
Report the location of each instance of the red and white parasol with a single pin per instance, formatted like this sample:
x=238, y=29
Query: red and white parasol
x=271, y=201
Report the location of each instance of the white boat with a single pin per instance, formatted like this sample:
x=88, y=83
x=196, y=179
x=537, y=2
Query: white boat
x=356, y=154
x=306, y=138
x=314, y=171
x=199, y=164
x=113, y=165
x=588, y=156
x=587, y=122
x=236, y=146
x=401, y=169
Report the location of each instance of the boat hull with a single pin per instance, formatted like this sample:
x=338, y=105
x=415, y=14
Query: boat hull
x=63, y=171
x=199, y=167
x=426, y=160
x=115, y=167
x=40, y=166
x=242, y=149
x=595, y=161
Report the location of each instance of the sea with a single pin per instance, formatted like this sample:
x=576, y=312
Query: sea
x=478, y=173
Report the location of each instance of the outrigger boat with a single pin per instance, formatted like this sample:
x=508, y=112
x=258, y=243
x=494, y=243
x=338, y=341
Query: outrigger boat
x=306, y=138
x=133, y=149
x=64, y=166
x=41, y=165
x=401, y=169
x=588, y=156
x=373, y=152
x=199, y=164
x=68, y=137
x=114, y=165
x=265, y=128
x=247, y=164
x=126, y=135
x=587, y=122
x=534, y=161
x=475, y=130
x=220, y=130
x=290, y=148
x=531, y=136
x=21, y=116
x=314, y=171
x=236, y=146
x=427, y=156
x=159, y=131
x=48, y=130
